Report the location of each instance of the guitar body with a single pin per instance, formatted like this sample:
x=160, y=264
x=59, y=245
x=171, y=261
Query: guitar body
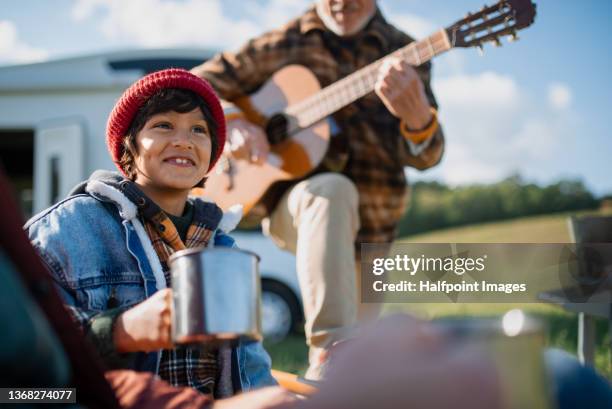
x=242, y=182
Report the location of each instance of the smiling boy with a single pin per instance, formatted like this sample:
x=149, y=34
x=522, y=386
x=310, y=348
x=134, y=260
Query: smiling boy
x=108, y=243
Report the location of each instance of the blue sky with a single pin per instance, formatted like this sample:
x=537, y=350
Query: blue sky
x=539, y=106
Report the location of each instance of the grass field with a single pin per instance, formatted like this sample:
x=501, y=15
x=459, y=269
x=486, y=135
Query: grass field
x=291, y=354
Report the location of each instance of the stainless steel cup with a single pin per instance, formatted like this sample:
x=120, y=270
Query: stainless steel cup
x=515, y=344
x=216, y=296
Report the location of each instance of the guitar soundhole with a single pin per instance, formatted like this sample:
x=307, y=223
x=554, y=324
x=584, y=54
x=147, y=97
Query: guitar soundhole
x=276, y=129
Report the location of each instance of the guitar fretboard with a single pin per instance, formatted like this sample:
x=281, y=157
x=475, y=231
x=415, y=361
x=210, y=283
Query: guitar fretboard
x=354, y=86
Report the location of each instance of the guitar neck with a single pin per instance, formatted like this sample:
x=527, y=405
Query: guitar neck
x=354, y=86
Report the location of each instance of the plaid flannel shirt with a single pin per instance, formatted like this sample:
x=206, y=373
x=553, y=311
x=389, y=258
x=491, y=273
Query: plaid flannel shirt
x=377, y=151
x=182, y=366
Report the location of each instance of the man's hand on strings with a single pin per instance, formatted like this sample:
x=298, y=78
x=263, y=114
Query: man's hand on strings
x=402, y=91
x=247, y=141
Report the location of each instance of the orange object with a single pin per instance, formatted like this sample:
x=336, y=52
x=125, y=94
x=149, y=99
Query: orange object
x=234, y=115
x=294, y=383
x=424, y=134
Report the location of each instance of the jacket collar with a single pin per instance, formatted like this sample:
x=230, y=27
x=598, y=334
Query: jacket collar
x=131, y=202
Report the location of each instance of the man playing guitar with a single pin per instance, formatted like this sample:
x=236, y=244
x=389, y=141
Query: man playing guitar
x=359, y=193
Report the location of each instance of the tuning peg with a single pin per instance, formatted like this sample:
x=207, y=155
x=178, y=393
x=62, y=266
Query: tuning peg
x=468, y=18
x=513, y=37
x=496, y=42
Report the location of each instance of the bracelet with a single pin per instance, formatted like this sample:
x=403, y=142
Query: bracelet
x=425, y=133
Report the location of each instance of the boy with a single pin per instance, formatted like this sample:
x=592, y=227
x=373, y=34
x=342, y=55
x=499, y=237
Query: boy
x=108, y=243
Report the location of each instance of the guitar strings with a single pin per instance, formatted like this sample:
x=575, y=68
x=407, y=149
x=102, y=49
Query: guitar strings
x=331, y=96
x=365, y=77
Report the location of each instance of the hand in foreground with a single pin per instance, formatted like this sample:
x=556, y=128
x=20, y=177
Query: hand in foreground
x=400, y=362
x=144, y=390
x=146, y=326
x=401, y=90
x=247, y=141
x=266, y=398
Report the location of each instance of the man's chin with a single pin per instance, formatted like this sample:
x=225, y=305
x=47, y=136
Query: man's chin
x=342, y=29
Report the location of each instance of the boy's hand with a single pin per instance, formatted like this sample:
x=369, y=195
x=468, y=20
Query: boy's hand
x=146, y=326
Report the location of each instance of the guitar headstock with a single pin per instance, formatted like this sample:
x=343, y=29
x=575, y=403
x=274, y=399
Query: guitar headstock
x=492, y=22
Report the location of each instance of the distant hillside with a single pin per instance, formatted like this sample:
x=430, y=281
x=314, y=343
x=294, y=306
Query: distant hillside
x=535, y=229
x=436, y=206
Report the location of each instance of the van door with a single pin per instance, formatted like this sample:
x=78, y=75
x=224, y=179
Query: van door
x=58, y=160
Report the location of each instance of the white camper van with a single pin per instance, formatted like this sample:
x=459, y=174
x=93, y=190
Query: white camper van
x=52, y=122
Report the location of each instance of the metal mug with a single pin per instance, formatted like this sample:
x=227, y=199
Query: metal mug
x=216, y=296
x=515, y=345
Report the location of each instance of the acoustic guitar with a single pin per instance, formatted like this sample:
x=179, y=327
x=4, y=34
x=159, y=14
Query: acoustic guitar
x=292, y=108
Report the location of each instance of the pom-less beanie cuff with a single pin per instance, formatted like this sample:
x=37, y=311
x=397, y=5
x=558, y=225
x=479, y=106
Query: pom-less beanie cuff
x=137, y=94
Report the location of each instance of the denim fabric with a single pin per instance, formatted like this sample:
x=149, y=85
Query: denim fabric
x=94, y=254
x=254, y=364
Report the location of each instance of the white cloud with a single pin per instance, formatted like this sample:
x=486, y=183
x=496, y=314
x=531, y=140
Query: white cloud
x=535, y=140
x=275, y=12
x=493, y=128
x=162, y=23
x=559, y=96
x=14, y=50
x=158, y=23
x=487, y=90
x=84, y=9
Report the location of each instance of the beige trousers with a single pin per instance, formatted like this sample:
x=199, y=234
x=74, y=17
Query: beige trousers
x=317, y=219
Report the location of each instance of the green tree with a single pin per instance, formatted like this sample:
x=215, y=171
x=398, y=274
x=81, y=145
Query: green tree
x=435, y=205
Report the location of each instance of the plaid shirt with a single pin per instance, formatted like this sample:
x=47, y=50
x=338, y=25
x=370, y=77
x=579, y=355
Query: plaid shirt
x=377, y=151
x=183, y=366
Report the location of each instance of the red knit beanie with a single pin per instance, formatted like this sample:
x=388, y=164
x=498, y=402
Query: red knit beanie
x=137, y=94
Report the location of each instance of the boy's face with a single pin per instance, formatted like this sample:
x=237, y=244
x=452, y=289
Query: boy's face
x=173, y=150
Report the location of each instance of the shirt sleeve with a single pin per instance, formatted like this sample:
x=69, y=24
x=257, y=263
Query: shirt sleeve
x=98, y=327
x=136, y=390
x=426, y=154
x=237, y=74
x=429, y=152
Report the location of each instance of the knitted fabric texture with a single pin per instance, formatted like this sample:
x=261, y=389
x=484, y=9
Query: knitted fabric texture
x=138, y=93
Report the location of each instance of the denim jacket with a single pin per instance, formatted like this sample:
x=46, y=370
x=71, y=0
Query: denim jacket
x=95, y=246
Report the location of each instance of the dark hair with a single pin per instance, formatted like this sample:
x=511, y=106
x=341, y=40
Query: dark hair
x=165, y=100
